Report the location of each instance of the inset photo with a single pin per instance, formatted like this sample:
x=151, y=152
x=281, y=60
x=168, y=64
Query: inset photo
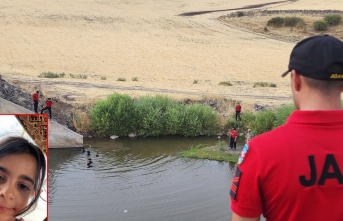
x=23, y=167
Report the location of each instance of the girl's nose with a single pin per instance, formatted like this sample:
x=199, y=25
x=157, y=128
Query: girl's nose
x=7, y=191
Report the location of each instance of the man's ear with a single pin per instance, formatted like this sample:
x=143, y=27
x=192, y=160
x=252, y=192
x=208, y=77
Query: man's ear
x=296, y=80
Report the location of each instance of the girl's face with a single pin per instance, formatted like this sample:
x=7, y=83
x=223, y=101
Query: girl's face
x=17, y=177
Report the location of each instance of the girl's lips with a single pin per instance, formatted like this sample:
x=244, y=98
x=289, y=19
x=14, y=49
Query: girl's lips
x=2, y=208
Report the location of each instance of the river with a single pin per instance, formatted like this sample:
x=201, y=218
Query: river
x=139, y=179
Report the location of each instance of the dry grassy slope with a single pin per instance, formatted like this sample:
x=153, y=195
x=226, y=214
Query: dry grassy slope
x=258, y=23
x=129, y=38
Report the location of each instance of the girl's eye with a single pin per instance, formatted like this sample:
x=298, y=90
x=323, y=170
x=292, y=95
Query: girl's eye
x=2, y=178
x=23, y=187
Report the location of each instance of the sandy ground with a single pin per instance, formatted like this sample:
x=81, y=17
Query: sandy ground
x=144, y=39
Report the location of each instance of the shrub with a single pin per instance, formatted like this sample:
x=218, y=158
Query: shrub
x=320, y=25
x=103, y=78
x=264, y=122
x=240, y=14
x=265, y=29
x=50, y=74
x=272, y=85
x=247, y=121
x=261, y=84
x=175, y=117
x=79, y=76
x=294, y=22
x=282, y=114
x=121, y=79
x=276, y=22
x=333, y=19
x=224, y=83
x=134, y=79
x=150, y=116
x=115, y=115
x=195, y=81
x=192, y=124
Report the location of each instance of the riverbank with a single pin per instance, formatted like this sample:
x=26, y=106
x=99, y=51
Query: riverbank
x=220, y=152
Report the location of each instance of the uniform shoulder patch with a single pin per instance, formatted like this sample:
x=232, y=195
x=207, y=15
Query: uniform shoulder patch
x=242, y=155
x=235, y=183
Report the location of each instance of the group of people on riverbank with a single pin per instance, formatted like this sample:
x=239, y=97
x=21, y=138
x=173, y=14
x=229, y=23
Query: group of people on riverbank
x=48, y=104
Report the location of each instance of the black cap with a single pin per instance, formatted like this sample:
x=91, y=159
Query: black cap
x=319, y=57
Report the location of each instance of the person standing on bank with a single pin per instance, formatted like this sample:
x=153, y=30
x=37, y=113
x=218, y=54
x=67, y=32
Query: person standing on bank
x=238, y=111
x=299, y=179
x=48, y=104
x=233, y=138
x=35, y=97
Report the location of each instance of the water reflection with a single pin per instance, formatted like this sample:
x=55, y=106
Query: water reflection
x=138, y=179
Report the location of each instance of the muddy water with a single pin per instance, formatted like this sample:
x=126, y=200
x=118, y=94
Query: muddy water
x=138, y=179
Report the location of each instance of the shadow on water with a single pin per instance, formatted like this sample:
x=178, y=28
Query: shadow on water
x=231, y=9
x=138, y=179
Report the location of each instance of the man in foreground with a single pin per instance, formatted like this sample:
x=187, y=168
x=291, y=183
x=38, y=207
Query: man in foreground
x=295, y=171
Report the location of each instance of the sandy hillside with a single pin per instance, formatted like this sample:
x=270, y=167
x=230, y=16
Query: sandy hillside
x=144, y=39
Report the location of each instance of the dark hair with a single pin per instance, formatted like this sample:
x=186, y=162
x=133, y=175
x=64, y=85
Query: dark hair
x=37, y=92
x=18, y=145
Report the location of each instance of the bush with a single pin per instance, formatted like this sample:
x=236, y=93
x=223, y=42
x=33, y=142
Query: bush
x=247, y=121
x=320, y=25
x=103, y=78
x=195, y=81
x=114, y=116
x=272, y=85
x=276, y=22
x=175, y=117
x=134, y=79
x=121, y=79
x=240, y=14
x=150, y=116
x=264, y=122
x=282, y=114
x=293, y=22
x=224, y=83
x=79, y=76
x=50, y=74
x=333, y=19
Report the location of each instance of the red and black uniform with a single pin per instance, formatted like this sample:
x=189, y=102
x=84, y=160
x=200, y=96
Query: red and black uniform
x=48, y=104
x=293, y=172
x=238, y=110
x=233, y=139
x=35, y=102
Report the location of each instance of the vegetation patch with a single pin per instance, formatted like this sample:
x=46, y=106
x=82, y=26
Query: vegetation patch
x=294, y=22
x=50, y=74
x=225, y=83
x=276, y=22
x=103, y=78
x=333, y=19
x=79, y=76
x=264, y=84
x=152, y=116
x=121, y=79
x=240, y=14
x=203, y=151
x=195, y=81
x=134, y=79
x=320, y=25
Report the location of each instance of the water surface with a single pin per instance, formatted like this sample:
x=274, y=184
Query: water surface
x=140, y=179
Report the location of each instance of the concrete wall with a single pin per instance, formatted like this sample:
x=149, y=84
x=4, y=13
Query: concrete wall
x=59, y=136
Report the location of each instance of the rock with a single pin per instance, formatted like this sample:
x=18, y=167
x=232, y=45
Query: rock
x=113, y=137
x=132, y=135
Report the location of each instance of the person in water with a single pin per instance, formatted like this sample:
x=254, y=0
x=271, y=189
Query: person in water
x=89, y=163
x=97, y=154
x=88, y=153
x=22, y=175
